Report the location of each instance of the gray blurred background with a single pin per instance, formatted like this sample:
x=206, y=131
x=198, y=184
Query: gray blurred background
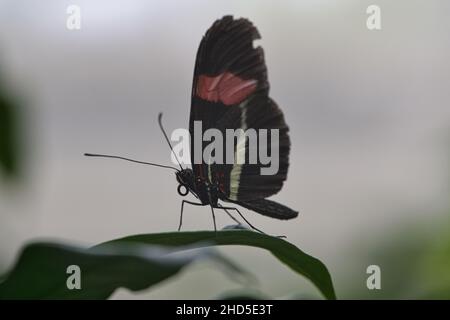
x=368, y=112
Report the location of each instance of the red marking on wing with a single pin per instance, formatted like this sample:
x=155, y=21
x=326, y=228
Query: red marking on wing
x=200, y=171
x=226, y=87
x=220, y=176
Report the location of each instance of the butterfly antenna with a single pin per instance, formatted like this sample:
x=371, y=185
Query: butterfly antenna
x=127, y=159
x=167, y=139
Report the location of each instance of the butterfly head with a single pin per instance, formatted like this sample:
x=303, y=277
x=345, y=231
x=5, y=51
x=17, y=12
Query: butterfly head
x=186, y=180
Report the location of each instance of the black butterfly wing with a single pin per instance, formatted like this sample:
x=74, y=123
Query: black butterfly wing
x=227, y=70
x=230, y=91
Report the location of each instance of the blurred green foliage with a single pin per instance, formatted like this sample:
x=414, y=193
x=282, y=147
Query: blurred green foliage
x=46, y=270
x=9, y=144
x=414, y=263
x=435, y=265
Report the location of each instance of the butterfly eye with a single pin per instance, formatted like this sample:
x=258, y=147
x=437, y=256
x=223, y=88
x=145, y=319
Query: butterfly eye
x=182, y=190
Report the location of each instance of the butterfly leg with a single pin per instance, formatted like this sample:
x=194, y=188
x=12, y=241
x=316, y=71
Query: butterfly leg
x=232, y=217
x=236, y=209
x=181, y=213
x=214, y=218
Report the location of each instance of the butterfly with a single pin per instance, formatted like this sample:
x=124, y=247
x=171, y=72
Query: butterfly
x=231, y=91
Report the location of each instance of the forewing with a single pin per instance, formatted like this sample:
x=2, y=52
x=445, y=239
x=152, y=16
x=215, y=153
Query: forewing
x=230, y=91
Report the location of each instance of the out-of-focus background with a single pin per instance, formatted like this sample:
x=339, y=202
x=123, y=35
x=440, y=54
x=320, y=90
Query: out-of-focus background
x=368, y=112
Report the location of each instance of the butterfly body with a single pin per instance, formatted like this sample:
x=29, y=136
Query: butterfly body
x=206, y=192
x=210, y=194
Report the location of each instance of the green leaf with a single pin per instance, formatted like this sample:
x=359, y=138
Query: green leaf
x=286, y=252
x=41, y=270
